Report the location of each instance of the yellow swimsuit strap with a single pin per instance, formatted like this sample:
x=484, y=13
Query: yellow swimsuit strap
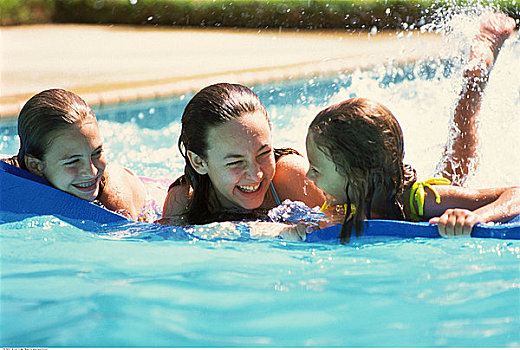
x=325, y=206
x=417, y=195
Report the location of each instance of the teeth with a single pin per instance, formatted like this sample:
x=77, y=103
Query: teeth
x=249, y=188
x=86, y=184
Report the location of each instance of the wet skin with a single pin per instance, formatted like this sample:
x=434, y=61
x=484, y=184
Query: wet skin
x=323, y=172
x=240, y=161
x=74, y=161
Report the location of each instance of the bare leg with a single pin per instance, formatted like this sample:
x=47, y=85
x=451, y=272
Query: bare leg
x=460, y=154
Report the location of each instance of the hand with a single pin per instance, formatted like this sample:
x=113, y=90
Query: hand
x=297, y=232
x=270, y=230
x=456, y=222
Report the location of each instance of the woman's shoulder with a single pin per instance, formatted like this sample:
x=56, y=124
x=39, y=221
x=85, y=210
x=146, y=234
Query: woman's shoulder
x=176, y=200
x=290, y=165
x=290, y=181
x=123, y=178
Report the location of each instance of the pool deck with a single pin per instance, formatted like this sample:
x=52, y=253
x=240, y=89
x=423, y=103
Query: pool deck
x=110, y=64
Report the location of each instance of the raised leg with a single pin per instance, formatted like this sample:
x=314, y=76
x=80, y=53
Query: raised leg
x=460, y=153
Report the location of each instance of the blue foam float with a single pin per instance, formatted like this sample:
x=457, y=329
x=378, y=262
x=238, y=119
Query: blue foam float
x=25, y=193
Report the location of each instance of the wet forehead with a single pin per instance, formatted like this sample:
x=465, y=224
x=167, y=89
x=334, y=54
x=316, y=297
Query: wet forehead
x=314, y=154
x=75, y=140
x=239, y=136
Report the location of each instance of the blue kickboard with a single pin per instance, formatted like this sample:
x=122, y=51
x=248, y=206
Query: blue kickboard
x=406, y=229
x=25, y=193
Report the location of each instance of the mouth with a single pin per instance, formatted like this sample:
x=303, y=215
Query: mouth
x=87, y=186
x=249, y=188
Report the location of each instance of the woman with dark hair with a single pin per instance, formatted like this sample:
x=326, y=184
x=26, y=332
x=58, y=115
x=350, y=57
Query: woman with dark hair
x=61, y=142
x=232, y=171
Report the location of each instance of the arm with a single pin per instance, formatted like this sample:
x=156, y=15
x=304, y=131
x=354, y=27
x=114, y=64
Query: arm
x=291, y=183
x=460, y=153
x=256, y=230
x=461, y=208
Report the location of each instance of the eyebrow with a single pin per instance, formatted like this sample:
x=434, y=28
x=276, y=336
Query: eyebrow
x=67, y=157
x=234, y=156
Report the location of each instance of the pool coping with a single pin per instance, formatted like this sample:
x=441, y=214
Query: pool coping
x=361, y=51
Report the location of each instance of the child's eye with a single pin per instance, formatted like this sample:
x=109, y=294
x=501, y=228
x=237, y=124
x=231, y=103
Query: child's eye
x=234, y=164
x=71, y=162
x=266, y=153
x=97, y=153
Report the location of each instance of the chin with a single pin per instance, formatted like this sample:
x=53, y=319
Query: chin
x=89, y=197
x=252, y=206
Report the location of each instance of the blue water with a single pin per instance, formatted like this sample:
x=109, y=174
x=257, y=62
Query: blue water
x=65, y=287
x=137, y=285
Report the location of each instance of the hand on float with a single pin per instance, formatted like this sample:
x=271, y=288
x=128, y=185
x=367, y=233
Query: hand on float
x=297, y=232
x=456, y=222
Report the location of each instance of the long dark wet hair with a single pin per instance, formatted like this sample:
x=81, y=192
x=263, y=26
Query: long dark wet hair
x=365, y=142
x=211, y=107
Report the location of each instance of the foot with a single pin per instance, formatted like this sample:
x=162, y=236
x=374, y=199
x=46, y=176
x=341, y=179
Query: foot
x=494, y=30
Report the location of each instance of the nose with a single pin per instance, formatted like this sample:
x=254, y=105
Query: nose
x=89, y=168
x=309, y=175
x=255, y=171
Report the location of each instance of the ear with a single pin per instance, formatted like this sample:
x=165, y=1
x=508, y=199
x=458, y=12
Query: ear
x=197, y=163
x=34, y=165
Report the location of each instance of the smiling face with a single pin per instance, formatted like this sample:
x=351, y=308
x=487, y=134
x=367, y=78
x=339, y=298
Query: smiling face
x=323, y=172
x=74, y=161
x=240, y=161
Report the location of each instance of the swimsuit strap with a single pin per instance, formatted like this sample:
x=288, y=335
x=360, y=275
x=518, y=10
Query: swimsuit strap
x=275, y=195
x=417, y=194
x=280, y=152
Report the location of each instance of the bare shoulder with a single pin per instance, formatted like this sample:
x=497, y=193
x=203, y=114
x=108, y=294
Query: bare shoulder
x=291, y=164
x=290, y=181
x=123, y=190
x=124, y=180
x=176, y=201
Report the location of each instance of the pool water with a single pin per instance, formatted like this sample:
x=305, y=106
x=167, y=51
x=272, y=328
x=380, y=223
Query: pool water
x=133, y=285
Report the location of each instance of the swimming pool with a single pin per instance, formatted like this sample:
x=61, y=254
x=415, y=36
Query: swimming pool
x=129, y=286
